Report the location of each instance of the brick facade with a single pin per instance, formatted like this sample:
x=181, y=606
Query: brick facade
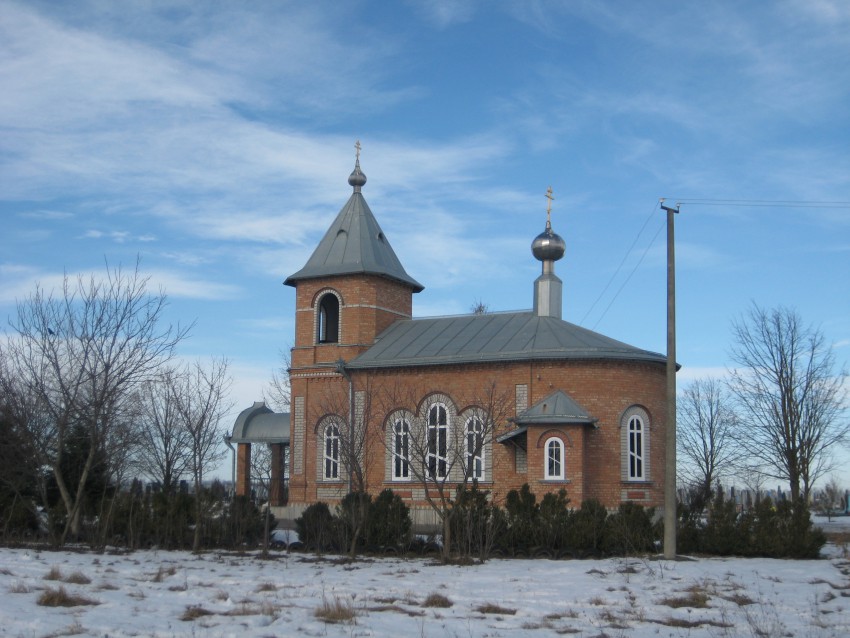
x=594, y=460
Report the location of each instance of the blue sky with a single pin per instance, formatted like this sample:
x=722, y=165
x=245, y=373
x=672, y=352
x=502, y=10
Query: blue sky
x=215, y=140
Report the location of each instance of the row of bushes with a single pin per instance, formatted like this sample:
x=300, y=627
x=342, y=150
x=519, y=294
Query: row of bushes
x=525, y=527
x=781, y=530
x=137, y=518
x=478, y=528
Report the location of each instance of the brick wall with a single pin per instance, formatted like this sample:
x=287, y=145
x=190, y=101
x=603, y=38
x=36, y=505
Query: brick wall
x=592, y=453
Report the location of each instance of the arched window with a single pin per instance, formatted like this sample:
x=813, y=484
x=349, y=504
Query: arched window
x=634, y=444
x=636, y=447
x=475, y=447
x=438, y=441
x=554, y=459
x=401, y=450
x=331, y=452
x=328, y=320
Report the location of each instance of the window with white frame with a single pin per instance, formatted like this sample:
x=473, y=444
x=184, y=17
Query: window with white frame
x=475, y=448
x=554, y=459
x=438, y=441
x=635, y=450
x=637, y=437
x=401, y=450
x=331, y=452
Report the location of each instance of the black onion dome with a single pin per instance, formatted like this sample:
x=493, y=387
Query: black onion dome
x=548, y=246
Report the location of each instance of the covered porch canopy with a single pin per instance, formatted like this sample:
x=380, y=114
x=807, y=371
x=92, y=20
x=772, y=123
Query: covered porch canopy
x=259, y=424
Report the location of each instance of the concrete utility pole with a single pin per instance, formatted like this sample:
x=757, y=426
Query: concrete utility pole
x=670, y=447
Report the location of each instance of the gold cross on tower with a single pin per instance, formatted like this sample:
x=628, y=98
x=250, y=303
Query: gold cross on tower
x=550, y=197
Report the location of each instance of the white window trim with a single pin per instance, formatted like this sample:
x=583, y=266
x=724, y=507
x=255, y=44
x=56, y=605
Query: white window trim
x=395, y=456
x=561, y=461
x=626, y=438
x=482, y=452
x=437, y=475
x=329, y=463
x=637, y=448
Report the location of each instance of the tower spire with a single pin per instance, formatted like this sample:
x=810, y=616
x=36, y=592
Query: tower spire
x=357, y=178
x=548, y=247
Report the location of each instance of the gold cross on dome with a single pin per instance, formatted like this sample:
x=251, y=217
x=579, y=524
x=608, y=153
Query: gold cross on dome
x=357, y=146
x=550, y=197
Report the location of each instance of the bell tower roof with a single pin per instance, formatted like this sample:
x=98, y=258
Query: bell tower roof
x=354, y=243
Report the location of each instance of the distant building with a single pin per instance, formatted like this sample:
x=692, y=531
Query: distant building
x=584, y=412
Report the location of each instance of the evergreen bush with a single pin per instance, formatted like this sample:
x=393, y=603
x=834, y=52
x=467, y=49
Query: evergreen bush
x=316, y=527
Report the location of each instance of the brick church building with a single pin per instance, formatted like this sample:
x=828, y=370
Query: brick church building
x=380, y=399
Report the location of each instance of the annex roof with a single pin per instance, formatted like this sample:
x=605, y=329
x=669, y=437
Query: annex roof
x=259, y=424
x=354, y=244
x=510, y=336
x=558, y=407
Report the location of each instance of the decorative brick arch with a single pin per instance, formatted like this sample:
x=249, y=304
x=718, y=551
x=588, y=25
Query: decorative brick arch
x=327, y=321
x=635, y=450
x=553, y=432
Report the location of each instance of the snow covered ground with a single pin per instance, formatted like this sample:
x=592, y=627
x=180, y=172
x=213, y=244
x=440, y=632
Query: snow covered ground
x=155, y=593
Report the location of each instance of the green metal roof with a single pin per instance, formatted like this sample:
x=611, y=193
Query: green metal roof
x=511, y=336
x=558, y=407
x=354, y=244
x=259, y=424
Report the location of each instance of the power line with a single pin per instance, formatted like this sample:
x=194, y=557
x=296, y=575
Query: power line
x=623, y=261
x=763, y=203
x=637, y=265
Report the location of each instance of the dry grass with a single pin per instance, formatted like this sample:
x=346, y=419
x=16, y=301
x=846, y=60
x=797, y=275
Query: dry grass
x=193, y=612
x=492, y=608
x=61, y=598
x=19, y=587
x=739, y=599
x=249, y=609
x=436, y=599
x=335, y=611
x=694, y=599
x=77, y=578
x=267, y=586
x=54, y=574
x=162, y=572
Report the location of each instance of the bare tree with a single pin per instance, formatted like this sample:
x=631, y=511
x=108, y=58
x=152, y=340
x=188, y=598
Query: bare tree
x=277, y=393
x=790, y=397
x=165, y=446
x=349, y=412
x=201, y=392
x=444, y=458
x=705, y=435
x=81, y=352
x=831, y=497
x=261, y=473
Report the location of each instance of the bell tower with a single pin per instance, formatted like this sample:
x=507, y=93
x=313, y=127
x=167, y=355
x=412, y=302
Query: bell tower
x=352, y=287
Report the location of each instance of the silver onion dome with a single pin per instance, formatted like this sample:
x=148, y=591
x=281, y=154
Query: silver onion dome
x=357, y=177
x=548, y=246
